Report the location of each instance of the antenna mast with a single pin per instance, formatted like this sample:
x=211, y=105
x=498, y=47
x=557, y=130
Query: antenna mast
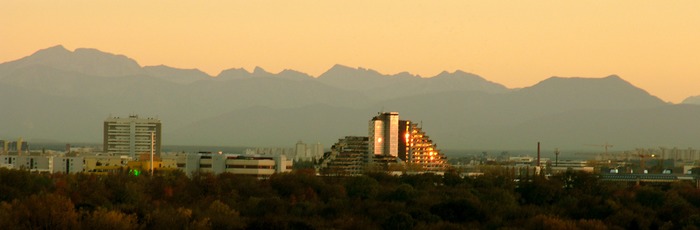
x=153, y=134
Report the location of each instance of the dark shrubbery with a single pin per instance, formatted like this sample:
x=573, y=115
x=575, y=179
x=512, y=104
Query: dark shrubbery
x=300, y=200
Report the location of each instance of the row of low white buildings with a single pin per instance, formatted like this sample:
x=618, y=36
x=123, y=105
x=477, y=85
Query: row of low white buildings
x=242, y=164
x=44, y=164
x=301, y=151
x=190, y=163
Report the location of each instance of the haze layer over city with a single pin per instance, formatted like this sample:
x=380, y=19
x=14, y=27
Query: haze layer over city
x=462, y=111
x=349, y=114
x=476, y=74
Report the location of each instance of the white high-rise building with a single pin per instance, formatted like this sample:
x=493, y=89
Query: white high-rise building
x=131, y=136
x=316, y=150
x=308, y=152
x=302, y=152
x=384, y=134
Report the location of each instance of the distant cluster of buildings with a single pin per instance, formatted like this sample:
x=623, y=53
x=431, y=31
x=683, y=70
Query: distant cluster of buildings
x=393, y=145
x=135, y=144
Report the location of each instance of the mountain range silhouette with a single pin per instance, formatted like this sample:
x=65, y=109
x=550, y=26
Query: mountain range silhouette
x=57, y=95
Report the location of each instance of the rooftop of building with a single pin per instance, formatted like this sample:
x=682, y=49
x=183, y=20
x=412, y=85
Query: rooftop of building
x=131, y=117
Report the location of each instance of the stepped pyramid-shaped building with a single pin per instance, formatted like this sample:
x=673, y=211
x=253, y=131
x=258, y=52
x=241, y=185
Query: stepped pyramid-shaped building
x=415, y=147
x=392, y=144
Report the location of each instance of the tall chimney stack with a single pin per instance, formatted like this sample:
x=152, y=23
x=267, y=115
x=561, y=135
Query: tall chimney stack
x=538, y=154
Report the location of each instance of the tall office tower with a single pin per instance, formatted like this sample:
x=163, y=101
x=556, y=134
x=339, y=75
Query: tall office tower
x=383, y=134
x=302, y=152
x=4, y=146
x=316, y=150
x=18, y=146
x=131, y=136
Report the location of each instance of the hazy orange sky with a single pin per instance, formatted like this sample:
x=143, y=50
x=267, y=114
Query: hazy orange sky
x=652, y=44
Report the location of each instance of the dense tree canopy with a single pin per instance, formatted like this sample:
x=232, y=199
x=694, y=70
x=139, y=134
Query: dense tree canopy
x=302, y=200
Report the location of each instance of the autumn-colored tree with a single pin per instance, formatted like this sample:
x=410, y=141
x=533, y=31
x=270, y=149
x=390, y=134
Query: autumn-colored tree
x=399, y=221
x=173, y=218
x=17, y=184
x=362, y=187
x=44, y=211
x=539, y=191
x=6, y=214
x=302, y=200
x=547, y=222
x=222, y=216
x=461, y=210
x=109, y=220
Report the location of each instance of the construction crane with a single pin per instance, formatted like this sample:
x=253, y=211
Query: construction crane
x=642, y=155
x=605, y=146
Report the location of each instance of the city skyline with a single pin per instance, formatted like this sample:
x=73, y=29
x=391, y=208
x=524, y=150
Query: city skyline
x=285, y=114
x=516, y=44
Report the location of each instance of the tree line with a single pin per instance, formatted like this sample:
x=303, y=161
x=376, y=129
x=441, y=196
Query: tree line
x=302, y=200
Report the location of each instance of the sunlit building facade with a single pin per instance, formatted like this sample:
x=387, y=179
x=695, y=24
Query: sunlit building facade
x=392, y=144
x=416, y=147
x=383, y=134
x=405, y=140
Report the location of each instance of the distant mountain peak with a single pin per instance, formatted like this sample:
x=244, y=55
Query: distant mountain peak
x=54, y=52
x=340, y=66
x=293, y=75
x=694, y=100
x=406, y=74
x=578, y=80
x=447, y=73
x=91, y=51
x=161, y=66
x=444, y=72
x=458, y=74
x=338, y=69
x=57, y=49
x=571, y=90
x=59, y=46
x=260, y=71
x=235, y=70
x=289, y=71
x=83, y=60
x=234, y=73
